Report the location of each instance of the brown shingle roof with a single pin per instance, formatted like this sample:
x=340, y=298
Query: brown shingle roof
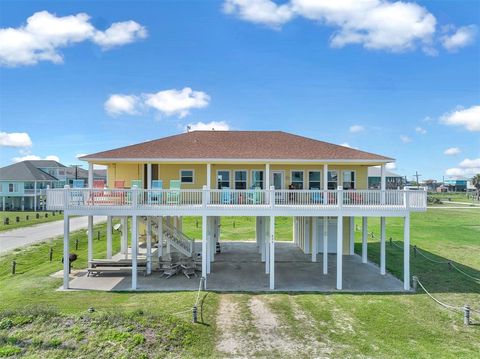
x=250, y=145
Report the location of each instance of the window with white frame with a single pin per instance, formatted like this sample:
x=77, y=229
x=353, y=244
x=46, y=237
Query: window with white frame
x=186, y=176
x=348, y=179
x=314, y=180
x=257, y=179
x=332, y=180
x=13, y=187
x=297, y=179
x=241, y=179
x=223, y=179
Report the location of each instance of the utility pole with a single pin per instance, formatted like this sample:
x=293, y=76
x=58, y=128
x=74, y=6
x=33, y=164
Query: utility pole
x=417, y=175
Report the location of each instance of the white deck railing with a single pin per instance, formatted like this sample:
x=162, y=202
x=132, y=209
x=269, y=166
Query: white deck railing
x=87, y=198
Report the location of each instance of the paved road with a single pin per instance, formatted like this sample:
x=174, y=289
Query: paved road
x=19, y=237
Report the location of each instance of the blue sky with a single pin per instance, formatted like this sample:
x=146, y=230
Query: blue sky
x=385, y=77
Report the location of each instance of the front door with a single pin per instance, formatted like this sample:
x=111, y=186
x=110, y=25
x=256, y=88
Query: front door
x=277, y=180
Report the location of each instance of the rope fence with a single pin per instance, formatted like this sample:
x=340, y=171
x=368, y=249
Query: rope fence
x=449, y=262
x=466, y=310
x=194, y=309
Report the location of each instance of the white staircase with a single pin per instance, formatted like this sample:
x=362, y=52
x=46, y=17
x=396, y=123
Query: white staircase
x=178, y=240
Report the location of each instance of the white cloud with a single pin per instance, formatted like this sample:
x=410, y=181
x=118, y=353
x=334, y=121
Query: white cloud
x=34, y=157
x=118, y=104
x=405, y=139
x=462, y=37
x=346, y=144
x=168, y=102
x=264, y=12
x=213, y=125
x=15, y=139
x=45, y=34
x=465, y=168
x=420, y=130
x=375, y=24
x=356, y=128
x=468, y=118
x=391, y=166
x=120, y=33
x=452, y=151
x=177, y=102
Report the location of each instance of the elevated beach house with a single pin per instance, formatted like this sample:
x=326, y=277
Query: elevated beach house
x=265, y=174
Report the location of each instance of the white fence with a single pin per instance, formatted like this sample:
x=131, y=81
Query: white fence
x=87, y=198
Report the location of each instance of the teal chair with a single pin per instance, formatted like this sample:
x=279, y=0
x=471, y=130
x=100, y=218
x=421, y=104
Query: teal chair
x=226, y=195
x=156, y=196
x=255, y=196
x=173, y=195
x=77, y=196
x=138, y=184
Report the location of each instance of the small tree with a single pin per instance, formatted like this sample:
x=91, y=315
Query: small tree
x=476, y=184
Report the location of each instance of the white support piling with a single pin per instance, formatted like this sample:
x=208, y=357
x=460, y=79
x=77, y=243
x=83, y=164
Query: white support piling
x=325, y=245
x=352, y=236
x=124, y=240
x=364, y=239
x=160, y=237
x=272, y=252
x=314, y=239
x=339, y=252
x=382, y=246
x=406, y=252
x=90, y=239
x=134, y=252
x=109, y=237
x=66, y=251
x=149, y=245
x=307, y=235
x=267, y=246
x=204, y=247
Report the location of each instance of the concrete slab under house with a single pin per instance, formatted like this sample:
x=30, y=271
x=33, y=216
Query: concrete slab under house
x=212, y=174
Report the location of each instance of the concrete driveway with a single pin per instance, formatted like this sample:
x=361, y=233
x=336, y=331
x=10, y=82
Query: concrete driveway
x=20, y=237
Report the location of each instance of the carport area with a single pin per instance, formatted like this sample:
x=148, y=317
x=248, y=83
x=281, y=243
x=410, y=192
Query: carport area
x=239, y=268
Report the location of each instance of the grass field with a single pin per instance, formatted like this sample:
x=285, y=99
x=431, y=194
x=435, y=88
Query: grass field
x=455, y=197
x=23, y=219
x=36, y=320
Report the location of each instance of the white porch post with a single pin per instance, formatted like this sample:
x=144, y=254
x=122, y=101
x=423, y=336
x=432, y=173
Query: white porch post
x=352, y=236
x=90, y=175
x=257, y=233
x=124, y=241
x=406, y=252
x=267, y=176
x=209, y=176
x=262, y=238
x=382, y=183
x=272, y=252
x=160, y=237
x=364, y=239
x=90, y=239
x=382, y=245
x=314, y=239
x=66, y=251
x=149, y=176
x=204, y=247
x=339, y=252
x=325, y=245
x=134, y=252
x=325, y=183
x=109, y=237
x=149, y=245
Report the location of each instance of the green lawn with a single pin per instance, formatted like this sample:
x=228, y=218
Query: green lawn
x=455, y=197
x=44, y=216
x=36, y=320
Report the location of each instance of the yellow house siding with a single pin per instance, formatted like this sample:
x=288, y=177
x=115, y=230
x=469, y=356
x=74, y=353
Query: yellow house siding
x=167, y=172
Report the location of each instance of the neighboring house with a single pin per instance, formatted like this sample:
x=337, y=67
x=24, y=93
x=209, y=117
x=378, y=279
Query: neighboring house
x=23, y=184
x=212, y=174
x=456, y=184
x=393, y=181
